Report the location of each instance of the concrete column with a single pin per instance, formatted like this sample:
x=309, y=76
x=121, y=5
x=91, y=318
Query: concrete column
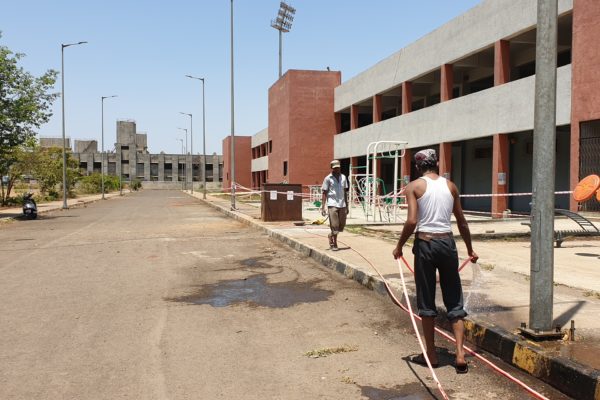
x=501, y=62
x=118, y=160
x=353, y=116
x=447, y=82
x=406, y=97
x=215, y=162
x=175, y=168
x=90, y=163
x=405, y=164
x=188, y=169
x=132, y=161
x=147, y=168
x=500, y=174
x=377, y=110
x=203, y=168
x=161, y=167
x=445, y=160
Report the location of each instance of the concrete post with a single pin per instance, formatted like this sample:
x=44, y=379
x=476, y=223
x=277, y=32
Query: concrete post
x=161, y=167
x=544, y=163
x=188, y=170
x=147, y=168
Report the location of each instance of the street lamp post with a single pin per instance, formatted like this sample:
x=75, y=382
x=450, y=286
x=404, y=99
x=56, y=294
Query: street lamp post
x=283, y=23
x=102, y=163
x=181, y=140
x=232, y=152
x=62, y=79
x=184, y=155
x=203, y=138
x=191, y=147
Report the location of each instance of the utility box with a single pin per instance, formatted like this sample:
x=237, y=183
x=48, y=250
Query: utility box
x=281, y=202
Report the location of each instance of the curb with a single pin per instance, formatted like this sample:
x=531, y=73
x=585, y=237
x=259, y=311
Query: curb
x=571, y=378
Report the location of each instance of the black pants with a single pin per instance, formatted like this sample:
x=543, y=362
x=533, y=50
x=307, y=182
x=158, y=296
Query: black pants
x=440, y=254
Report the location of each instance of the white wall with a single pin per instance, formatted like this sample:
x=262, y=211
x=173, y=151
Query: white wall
x=260, y=164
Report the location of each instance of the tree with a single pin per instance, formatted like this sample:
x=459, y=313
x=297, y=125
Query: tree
x=23, y=159
x=25, y=102
x=47, y=169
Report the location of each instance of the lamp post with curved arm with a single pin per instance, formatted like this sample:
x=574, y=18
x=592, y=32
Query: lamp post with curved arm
x=102, y=163
x=191, y=147
x=203, y=139
x=62, y=73
x=185, y=157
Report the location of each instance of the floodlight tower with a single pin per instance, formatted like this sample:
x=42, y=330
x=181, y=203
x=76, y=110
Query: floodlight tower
x=283, y=23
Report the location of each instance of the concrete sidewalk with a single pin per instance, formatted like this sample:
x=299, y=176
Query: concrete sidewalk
x=15, y=212
x=496, y=290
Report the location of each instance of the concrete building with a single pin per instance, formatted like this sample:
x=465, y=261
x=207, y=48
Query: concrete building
x=131, y=159
x=465, y=89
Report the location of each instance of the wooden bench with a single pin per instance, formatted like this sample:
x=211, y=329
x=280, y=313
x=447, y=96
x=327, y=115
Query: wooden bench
x=587, y=227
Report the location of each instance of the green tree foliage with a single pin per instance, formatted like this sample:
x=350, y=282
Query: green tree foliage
x=23, y=158
x=93, y=183
x=47, y=168
x=25, y=102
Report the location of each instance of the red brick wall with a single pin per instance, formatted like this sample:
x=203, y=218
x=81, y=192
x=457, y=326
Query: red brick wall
x=243, y=161
x=302, y=124
x=585, y=95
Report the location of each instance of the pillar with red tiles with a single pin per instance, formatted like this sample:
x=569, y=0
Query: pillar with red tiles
x=406, y=97
x=447, y=82
x=338, y=123
x=353, y=116
x=501, y=145
x=445, y=159
x=377, y=108
x=405, y=164
x=500, y=174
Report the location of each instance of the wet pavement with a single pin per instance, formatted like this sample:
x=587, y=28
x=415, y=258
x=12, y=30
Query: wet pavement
x=496, y=289
x=155, y=295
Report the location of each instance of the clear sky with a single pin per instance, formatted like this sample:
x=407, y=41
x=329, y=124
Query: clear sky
x=141, y=50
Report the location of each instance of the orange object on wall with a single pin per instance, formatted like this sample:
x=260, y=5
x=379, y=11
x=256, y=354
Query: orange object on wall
x=586, y=188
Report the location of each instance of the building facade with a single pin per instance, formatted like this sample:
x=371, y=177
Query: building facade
x=131, y=160
x=465, y=89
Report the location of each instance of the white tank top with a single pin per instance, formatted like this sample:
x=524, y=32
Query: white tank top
x=435, y=207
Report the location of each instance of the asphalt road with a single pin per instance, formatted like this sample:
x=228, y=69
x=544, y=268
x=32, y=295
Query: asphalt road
x=156, y=296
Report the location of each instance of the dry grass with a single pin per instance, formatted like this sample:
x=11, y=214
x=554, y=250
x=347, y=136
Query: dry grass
x=330, y=350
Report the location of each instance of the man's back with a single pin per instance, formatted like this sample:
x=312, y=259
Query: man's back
x=435, y=205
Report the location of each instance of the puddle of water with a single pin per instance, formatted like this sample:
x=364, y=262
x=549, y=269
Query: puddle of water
x=256, y=291
x=586, y=353
x=411, y=391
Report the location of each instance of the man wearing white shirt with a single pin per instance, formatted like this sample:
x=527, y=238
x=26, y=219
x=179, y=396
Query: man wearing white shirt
x=335, y=198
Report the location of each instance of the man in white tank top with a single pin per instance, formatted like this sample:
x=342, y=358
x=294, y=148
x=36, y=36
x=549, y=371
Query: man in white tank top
x=431, y=201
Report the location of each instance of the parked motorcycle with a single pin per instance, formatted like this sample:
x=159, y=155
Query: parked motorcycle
x=29, y=206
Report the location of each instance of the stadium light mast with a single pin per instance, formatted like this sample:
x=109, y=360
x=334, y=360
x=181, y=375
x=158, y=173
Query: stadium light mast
x=283, y=23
